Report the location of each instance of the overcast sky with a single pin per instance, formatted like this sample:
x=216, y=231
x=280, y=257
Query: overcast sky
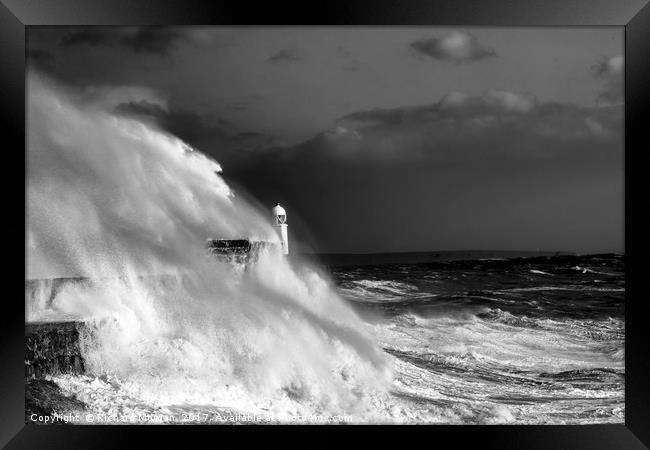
x=383, y=139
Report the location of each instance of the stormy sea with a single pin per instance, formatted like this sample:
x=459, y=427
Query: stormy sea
x=537, y=340
x=526, y=340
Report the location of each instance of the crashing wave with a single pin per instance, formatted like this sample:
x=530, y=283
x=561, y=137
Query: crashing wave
x=128, y=208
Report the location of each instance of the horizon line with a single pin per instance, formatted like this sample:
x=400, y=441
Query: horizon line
x=560, y=252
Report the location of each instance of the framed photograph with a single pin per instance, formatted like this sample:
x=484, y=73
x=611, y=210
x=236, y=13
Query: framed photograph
x=413, y=213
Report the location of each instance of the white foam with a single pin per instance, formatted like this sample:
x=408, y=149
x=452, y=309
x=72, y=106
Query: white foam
x=129, y=207
x=539, y=272
x=382, y=291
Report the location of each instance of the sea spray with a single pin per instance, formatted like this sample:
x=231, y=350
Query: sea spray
x=128, y=207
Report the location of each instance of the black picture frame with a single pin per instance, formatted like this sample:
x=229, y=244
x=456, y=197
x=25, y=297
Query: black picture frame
x=633, y=15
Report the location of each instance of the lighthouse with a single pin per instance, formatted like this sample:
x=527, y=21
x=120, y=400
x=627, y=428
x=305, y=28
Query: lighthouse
x=280, y=224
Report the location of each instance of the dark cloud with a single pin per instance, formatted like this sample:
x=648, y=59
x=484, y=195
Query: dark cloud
x=457, y=47
x=152, y=40
x=215, y=136
x=190, y=126
x=610, y=69
x=285, y=56
x=497, y=125
x=42, y=59
x=455, y=105
x=87, y=37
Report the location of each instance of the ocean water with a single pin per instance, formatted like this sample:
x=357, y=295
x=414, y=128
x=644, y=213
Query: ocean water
x=526, y=340
x=535, y=340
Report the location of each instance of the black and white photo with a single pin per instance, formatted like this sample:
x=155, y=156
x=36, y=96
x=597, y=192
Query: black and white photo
x=324, y=225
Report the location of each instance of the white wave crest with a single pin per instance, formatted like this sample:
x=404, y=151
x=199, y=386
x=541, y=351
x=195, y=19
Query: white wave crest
x=128, y=208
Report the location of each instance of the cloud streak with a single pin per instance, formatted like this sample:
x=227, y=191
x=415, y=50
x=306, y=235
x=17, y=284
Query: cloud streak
x=215, y=136
x=286, y=55
x=456, y=47
x=40, y=58
x=185, y=124
x=151, y=40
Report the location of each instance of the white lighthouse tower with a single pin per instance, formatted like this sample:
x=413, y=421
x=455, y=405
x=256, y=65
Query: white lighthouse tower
x=280, y=224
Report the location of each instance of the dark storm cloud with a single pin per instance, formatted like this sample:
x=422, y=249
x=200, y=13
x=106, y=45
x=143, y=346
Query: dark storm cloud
x=285, y=55
x=187, y=125
x=153, y=40
x=496, y=124
x=454, y=105
x=611, y=71
x=87, y=37
x=39, y=58
x=457, y=47
x=215, y=136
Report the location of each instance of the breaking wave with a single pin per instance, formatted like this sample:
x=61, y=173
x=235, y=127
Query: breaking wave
x=126, y=208
x=493, y=367
x=381, y=291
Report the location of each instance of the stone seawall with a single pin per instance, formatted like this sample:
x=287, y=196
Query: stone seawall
x=53, y=348
x=50, y=349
